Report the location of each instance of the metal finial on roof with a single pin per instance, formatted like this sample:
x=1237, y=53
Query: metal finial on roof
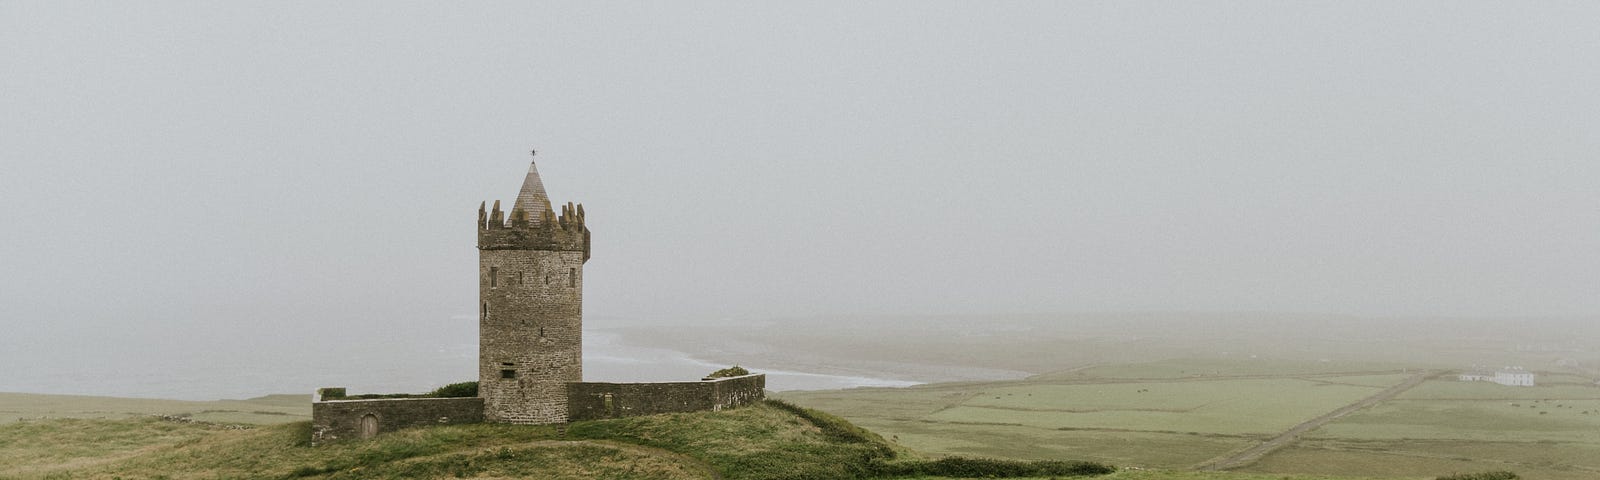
x=533, y=153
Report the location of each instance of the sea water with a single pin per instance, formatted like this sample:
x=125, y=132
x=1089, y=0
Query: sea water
x=228, y=368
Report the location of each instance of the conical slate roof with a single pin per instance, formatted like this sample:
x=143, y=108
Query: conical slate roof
x=532, y=198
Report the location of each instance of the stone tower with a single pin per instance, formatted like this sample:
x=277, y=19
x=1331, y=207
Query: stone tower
x=530, y=294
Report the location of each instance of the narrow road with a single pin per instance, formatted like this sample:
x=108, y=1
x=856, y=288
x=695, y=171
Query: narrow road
x=1286, y=438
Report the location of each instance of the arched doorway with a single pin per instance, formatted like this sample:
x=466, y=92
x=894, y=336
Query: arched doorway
x=369, y=426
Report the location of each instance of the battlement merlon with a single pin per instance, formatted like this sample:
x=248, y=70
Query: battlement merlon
x=532, y=224
x=567, y=232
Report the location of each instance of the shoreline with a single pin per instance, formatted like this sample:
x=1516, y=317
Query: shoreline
x=811, y=372
x=614, y=354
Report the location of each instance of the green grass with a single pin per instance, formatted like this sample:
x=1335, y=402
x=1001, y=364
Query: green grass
x=767, y=441
x=759, y=442
x=34, y=445
x=162, y=449
x=764, y=441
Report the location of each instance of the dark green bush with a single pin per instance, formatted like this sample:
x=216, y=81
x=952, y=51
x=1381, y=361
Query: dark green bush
x=456, y=390
x=962, y=467
x=375, y=396
x=1496, y=475
x=733, y=371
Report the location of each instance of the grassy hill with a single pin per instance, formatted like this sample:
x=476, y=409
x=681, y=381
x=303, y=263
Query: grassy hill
x=766, y=441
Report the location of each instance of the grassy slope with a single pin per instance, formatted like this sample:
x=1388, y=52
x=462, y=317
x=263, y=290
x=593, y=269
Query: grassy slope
x=760, y=442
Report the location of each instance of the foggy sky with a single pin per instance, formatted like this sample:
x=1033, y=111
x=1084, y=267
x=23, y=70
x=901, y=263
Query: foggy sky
x=214, y=170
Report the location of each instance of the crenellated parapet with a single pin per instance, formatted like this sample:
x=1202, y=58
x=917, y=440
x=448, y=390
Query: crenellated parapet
x=520, y=230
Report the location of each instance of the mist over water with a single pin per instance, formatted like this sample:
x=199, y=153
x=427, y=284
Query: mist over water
x=608, y=358
x=236, y=370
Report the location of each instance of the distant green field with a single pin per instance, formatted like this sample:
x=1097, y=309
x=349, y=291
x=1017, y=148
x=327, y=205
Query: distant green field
x=1221, y=367
x=1455, y=390
x=1555, y=421
x=267, y=410
x=1236, y=407
x=1532, y=460
x=1158, y=414
x=1544, y=432
x=1175, y=414
x=1445, y=409
x=1146, y=449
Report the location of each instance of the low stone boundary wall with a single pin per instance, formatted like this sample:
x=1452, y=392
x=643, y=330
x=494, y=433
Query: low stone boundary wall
x=337, y=420
x=597, y=400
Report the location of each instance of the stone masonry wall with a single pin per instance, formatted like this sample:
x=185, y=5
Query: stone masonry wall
x=597, y=400
x=530, y=331
x=739, y=391
x=530, y=294
x=337, y=420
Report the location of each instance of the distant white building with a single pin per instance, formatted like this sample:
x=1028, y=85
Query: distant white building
x=1509, y=376
x=1514, y=376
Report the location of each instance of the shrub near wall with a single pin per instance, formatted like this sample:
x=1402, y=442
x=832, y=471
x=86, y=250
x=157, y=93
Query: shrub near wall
x=454, y=390
x=1500, y=475
x=733, y=371
x=962, y=467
